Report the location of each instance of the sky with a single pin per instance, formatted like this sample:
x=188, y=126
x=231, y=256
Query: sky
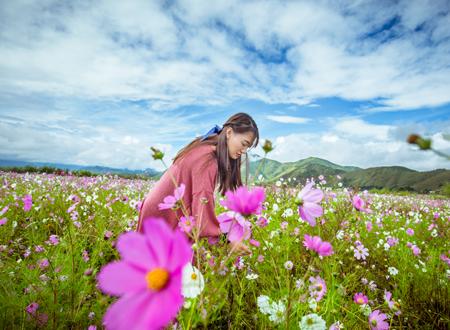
x=99, y=82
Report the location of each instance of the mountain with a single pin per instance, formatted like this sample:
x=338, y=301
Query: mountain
x=384, y=177
x=71, y=167
x=305, y=168
x=390, y=177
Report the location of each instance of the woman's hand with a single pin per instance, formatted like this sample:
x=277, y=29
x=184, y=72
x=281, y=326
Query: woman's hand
x=239, y=248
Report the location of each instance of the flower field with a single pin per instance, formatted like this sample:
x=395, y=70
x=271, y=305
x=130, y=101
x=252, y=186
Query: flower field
x=322, y=257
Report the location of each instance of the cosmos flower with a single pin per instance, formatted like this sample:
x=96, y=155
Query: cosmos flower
x=244, y=201
x=148, y=278
x=170, y=201
x=316, y=244
x=360, y=298
x=318, y=287
x=235, y=225
x=377, y=321
x=308, y=200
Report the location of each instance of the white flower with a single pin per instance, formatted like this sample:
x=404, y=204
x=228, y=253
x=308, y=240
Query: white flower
x=312, y=303
x=287, y=213
x=263, y=303
x=393, y=271
x=275, y=207
x=312, y=322
x=340, y=234
x=193, y=282
x=252, y=276
x=365, y=309
x=288, y=265
x=277, y=312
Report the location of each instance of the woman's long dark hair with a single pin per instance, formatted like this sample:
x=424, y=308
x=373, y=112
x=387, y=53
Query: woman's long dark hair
x=229, y=170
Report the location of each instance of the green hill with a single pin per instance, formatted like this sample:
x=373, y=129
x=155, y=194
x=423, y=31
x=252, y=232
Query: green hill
x=388, y=177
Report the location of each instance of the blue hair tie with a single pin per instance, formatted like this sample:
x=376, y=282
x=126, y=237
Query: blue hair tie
x=215, y=130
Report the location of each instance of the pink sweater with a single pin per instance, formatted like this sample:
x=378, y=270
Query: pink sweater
x=198, y=171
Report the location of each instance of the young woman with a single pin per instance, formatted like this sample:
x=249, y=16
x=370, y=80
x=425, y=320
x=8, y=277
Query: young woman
x=208, y=162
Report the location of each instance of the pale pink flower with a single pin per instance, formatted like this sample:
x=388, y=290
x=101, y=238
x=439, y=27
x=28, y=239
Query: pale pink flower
x=308, y=200
x=170, y=202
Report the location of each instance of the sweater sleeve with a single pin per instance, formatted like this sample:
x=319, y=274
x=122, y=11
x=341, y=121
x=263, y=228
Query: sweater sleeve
x=203, y=203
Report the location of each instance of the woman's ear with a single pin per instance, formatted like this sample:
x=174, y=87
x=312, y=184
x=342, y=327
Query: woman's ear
x=228, y=132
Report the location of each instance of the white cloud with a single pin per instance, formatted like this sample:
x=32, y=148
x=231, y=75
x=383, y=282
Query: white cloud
x=215, y=53
x=362, y=146
x=288, y=119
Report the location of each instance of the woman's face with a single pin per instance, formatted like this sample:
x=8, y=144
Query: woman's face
x=238, y=143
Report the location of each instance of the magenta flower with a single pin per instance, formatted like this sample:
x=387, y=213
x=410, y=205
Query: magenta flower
x=3, y=221
x=359, y=204
x=32, y=308
x=316, y=244
x=171, y=201
x=360, y=298
x=244, y=201
x=148, y=278
x=308, y=200
x=27, y=202
x=262, y=222
x=186, y=223
x=318, y=288
x=377, y=321
x=235, y=225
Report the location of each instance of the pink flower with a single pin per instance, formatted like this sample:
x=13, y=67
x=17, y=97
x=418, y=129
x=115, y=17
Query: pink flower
x=262, y=222
x=316, y=244
x=318, y=287
x=377, y=321
x=416, y=250
x=53, y=240
x=254, y=242
x=308, y=200
x=244, y=201
x=369, y=226
x=361, y=252
x=43, y=263
x=235, y=225
x=32, y=308
x=410, y=231
x=186, y=224
x=360, y=298
x=393, y=305
x=4, y=210
x=27, y=202
x=359, y=204
x=171, y=201
x=107, y=234
x=3, y=221
x=147, y=278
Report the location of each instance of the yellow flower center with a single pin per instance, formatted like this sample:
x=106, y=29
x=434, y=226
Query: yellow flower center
x=157, y=279
x=194, y=276
x=360, y=300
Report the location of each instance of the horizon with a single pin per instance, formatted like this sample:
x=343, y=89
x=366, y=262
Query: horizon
x=255, y=160
x=345, y=82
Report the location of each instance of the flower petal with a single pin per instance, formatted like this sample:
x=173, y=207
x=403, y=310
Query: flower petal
x=119, y=278
x=133, y=248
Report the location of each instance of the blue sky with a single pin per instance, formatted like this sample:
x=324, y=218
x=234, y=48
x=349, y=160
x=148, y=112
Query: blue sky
x=98, y=83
